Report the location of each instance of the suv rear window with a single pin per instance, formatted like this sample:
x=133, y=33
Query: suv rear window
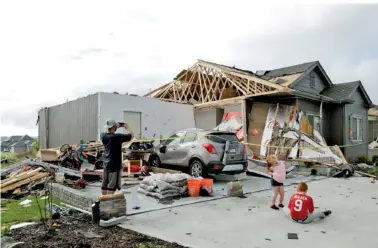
x=222, y=137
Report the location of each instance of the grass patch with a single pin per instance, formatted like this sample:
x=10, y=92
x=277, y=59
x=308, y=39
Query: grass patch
x=11, y=159
x=13, y=213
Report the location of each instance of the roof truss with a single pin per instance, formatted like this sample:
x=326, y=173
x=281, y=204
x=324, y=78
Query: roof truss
x=206, y=82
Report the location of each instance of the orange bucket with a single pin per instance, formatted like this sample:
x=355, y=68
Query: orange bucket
x=207, y=184
x=194, y=186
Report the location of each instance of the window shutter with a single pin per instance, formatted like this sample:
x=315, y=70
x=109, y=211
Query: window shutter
x=350, y=128
x=362, y=129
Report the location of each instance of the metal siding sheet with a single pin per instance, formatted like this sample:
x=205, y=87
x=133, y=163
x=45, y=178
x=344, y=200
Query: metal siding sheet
x=72, y=121
x=42, y=128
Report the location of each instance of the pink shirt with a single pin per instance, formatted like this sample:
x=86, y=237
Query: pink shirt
x=279, y=172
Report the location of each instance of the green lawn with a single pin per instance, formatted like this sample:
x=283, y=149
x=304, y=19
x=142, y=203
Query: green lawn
x=13, y=213
x=12, y=159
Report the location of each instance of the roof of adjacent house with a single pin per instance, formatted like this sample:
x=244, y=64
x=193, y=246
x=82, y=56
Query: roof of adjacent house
x=22, y=143
x=344, y=91
x=294, y=69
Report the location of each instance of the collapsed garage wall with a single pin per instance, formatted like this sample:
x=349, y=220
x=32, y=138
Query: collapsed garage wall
x=208, y=118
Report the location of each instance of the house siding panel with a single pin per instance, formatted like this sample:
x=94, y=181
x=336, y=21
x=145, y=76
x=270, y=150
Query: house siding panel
x=42, y=128
x=304, y=83
x=72, y=121
x=357, y=108
x=208, y=118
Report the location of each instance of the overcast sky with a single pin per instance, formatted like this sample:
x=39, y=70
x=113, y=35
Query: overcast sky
x=52, y=51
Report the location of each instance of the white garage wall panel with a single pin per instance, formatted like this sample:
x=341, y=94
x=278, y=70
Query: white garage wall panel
x=157, y=117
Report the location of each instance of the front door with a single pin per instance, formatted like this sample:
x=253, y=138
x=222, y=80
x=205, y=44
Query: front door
x=134, y=119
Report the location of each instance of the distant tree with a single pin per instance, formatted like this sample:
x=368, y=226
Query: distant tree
x=35, y=147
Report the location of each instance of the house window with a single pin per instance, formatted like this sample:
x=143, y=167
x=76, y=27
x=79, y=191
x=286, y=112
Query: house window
x=312, y=80
x=314, y=121
x=356, y=128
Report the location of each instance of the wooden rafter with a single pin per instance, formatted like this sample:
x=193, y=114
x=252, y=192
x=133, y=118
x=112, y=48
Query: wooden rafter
x=206, y=82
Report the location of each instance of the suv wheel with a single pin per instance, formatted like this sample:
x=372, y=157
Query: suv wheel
x=197, y=169
x=154, y=161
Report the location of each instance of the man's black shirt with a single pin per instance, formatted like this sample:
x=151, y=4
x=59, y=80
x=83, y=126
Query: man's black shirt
x=113, y=150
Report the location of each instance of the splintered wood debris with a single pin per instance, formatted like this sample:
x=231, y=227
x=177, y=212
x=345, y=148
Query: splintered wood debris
x=24, y=179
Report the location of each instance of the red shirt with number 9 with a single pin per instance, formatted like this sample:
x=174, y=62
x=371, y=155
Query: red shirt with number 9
x=300, y=206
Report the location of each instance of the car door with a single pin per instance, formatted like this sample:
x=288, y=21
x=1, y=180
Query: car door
x=172, y=144
x=186, y=148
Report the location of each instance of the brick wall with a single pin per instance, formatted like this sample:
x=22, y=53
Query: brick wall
x=72, y=197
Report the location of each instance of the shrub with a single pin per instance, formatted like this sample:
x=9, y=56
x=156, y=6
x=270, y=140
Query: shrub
x=363, y=159
x=374, y=172
x=374, y=159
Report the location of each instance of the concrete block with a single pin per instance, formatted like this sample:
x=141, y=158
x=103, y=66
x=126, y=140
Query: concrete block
x=234, y=189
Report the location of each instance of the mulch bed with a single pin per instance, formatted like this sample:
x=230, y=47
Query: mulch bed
x=79, y=231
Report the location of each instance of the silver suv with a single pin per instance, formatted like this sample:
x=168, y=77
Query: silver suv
x=204, y=152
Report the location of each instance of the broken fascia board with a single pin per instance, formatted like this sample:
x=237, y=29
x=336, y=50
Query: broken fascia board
x=220, y=103
x=234, y=100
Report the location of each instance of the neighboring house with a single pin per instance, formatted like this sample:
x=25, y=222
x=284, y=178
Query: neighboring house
x=373, y=124
x=17, y=143
x=338, y=111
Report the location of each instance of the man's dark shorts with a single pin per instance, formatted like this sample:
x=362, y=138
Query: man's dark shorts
x=111, y=181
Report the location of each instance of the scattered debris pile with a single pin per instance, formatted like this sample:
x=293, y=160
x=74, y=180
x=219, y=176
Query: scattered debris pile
x=165, y=186
x=21, y=179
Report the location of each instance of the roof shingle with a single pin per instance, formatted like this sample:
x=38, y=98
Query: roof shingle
x=294, y=69
x=340, y=91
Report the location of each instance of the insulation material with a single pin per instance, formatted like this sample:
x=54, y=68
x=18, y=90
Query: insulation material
x=288, y=129
x=232, y=122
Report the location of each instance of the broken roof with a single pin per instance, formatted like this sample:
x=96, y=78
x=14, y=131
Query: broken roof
x=208, y=82
x=288, y=76
x=344, y=91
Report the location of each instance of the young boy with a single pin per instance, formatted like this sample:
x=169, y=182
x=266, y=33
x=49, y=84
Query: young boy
x=301, y=206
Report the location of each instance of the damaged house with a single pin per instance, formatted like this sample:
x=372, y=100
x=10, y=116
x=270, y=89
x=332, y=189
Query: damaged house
x=301, y=100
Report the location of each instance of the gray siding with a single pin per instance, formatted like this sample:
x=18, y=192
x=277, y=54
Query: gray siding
x=70, y=122
x=208, y=118
x=233, y=108
x=157, y=117
x=357, y=108
x=304, y=83
x=42, y=128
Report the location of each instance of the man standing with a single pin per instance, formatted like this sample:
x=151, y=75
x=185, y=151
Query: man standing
x=112, y=141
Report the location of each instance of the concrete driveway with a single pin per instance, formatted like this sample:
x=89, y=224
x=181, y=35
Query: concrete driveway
x=249, y=222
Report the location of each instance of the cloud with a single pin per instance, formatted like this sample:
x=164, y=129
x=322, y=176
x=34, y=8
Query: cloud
x=86, y=46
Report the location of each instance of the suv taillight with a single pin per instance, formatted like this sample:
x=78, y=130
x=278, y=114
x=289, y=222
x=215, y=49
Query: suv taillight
x=210, y=148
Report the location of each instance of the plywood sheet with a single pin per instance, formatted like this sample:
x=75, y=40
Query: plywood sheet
x=257, y=119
